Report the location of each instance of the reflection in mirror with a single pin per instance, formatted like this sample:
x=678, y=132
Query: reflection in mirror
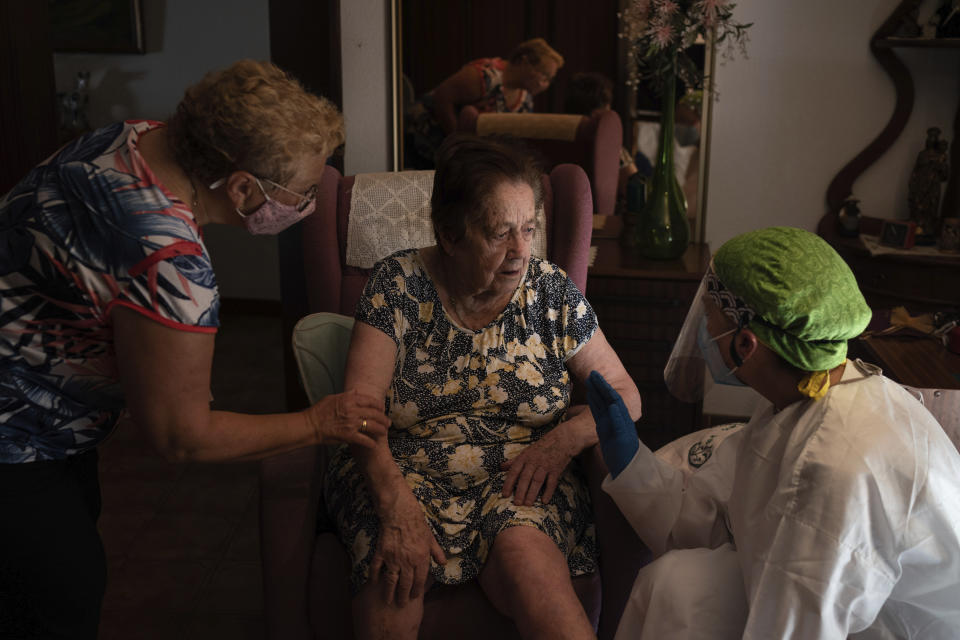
x=434, y=39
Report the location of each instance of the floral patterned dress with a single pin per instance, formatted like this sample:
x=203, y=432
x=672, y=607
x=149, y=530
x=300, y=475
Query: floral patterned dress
x=462, y=402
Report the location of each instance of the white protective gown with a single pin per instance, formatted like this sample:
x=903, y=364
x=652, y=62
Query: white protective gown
x=833, y=517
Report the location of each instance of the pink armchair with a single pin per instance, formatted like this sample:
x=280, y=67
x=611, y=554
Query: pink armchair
x=593, y=143
x=305, y=572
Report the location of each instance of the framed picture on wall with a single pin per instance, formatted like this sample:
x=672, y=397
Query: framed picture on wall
x=96, y=26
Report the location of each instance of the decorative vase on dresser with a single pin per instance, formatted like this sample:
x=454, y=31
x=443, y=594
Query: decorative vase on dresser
x=662, y=231
x=659, y=36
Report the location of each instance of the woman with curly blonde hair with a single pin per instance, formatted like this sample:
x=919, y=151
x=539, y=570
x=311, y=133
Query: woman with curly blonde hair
x=109, y=303
x=492, y=85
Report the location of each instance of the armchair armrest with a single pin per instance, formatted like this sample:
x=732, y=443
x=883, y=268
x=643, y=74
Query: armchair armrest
x=320, y=247
x=467, y=120
x=290, y=486
x=604, y=169
x=572, y=221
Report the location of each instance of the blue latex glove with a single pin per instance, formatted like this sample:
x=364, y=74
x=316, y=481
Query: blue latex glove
x=615, y=428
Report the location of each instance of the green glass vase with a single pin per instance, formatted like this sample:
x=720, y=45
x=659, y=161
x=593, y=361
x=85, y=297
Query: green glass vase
x=662, y=230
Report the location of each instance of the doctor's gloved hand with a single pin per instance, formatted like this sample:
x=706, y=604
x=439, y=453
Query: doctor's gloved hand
x=615, y=428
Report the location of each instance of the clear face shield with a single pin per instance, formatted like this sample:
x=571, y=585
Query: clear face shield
x=686, y=367
x=696, y=351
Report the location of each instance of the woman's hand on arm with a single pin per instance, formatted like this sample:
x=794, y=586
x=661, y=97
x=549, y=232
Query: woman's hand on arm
x=463, y=87
x=401, y=563
x=350, y=417
x=165, y=375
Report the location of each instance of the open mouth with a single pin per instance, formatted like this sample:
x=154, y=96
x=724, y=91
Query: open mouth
x=513, y=269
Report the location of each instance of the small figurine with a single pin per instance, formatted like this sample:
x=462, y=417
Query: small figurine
x=950, y=235
x=923, y=190
x=73, y=108
x=909, y=26
x=849, y=218
x=930, y=29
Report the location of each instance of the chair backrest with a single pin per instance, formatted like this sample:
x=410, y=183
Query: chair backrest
x=944, y=404
x=595, y=145
x=333, y=285
x=320, y=344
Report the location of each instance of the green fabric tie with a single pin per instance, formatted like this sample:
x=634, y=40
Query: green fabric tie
x=806, y=298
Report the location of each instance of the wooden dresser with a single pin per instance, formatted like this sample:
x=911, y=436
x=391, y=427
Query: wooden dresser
x=921, y=284
x=641, y=305
x=918, y=282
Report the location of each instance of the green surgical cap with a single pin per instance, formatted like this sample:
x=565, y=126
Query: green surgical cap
x=806, y=298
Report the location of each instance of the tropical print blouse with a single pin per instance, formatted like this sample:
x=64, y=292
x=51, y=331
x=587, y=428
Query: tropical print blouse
x=493, y=100
x=423, y=130
x=88, y=229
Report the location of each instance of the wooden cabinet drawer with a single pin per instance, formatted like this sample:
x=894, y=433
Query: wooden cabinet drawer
x=649, y=371
x=636, y=288
x=638, y=335
x=641, y=316
x=664, y=417
x=886, y=280
x=635, y=297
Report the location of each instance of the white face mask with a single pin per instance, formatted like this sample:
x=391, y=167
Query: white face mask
x=711, y=355
x=272, y=217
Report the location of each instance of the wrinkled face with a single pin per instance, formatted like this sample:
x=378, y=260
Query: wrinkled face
x=537, y=78
x=493, y=255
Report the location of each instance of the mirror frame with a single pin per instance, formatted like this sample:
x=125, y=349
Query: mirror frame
x=396, y=83
x=706, y=128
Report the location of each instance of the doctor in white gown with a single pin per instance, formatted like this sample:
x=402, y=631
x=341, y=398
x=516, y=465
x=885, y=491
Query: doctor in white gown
x=833, y=513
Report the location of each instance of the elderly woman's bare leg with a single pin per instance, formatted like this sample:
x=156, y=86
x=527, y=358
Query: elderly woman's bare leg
x=526, y=577
x=374, y=619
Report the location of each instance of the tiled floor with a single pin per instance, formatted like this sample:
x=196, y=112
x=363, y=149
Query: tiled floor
x=181, y=540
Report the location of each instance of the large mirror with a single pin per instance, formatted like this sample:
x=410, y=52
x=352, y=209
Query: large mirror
x=433, y=39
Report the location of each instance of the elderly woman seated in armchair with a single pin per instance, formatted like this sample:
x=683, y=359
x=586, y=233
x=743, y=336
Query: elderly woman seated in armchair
x=472, y=343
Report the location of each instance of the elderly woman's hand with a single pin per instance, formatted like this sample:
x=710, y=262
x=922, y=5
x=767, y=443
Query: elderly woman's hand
x=401, y=563
x=349, y=417
x=539, y=466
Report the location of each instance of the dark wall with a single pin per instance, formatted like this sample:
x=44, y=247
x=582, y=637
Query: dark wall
x=439, y=36
x=305, y=41
x=28, y=113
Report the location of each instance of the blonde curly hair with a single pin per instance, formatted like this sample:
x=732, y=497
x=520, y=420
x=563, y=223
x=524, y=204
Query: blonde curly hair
x=254, y=117
x=535, y=51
